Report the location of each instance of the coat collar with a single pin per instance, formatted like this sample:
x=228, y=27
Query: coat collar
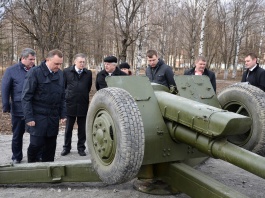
x=47, y=72
x=72, y=69
x=205, y=72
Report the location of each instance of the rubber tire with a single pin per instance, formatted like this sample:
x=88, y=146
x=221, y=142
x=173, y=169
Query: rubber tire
x=128, y=134
x=252, y=101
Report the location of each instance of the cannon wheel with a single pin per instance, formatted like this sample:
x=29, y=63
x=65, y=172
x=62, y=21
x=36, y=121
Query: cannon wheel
x=247, y=100
x=115, y=135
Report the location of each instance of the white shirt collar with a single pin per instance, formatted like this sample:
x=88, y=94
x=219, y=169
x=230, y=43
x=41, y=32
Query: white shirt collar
x=253, y=68
x=76, y=69
x=49, y=68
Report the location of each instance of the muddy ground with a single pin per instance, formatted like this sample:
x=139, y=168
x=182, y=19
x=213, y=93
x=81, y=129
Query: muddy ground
x=234, y=177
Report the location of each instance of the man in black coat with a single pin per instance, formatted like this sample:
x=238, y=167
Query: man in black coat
x=125, y=67
x=78, y=82
x=111, y=69
x=200, y=69
x=254, y=74
x=157, y=71
x=43, y=104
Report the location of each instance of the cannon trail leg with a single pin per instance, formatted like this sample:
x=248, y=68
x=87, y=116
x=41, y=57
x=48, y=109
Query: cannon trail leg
x=194, y=183
x=80, y=171
x=173, y=178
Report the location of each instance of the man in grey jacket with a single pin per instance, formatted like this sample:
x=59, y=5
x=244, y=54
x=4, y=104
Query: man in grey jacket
x=157, y=71
x=12, y=84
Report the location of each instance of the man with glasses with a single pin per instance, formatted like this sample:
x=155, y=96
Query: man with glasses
x=78, y=82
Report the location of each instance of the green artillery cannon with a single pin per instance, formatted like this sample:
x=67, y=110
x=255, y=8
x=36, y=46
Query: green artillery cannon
x=140, y=130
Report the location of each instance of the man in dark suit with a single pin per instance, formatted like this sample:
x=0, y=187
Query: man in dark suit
x=254, y=74
x=78, y=82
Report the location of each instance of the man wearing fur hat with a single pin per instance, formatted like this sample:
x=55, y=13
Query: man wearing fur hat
x=111, y=69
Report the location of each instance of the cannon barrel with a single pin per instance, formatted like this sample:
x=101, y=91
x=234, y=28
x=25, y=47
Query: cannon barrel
x=221, y=149
x=205, y=128
x=208, y=120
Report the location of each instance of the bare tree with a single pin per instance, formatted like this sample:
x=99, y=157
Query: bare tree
x=1, y=35
x=141, y=38
x=205, y=9
x=190, y=27
x=46, y=22
x=178, y=29
x=125, y=12
x=99, y=29
x=5, y=44
x=226, y=31
x=245, y=12
x=75, y=40
x=211, y=41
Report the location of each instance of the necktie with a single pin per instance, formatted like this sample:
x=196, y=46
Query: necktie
x=79, y=71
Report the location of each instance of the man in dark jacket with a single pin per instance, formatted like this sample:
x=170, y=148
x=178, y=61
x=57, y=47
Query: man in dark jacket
x=254, y=74
x=12, y=84
x=43, y=103
x=125, y=67
x=157, y=71
x=200, y=69
x=111, y=69
x=78, y=82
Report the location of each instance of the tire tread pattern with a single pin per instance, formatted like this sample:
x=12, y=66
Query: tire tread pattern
x=130, y=135
x=254, y=99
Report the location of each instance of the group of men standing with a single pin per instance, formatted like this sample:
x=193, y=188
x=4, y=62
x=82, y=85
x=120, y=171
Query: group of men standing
x=40, y=97
x=43, y=96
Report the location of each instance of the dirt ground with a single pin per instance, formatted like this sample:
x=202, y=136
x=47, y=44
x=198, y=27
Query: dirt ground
x=235, y=178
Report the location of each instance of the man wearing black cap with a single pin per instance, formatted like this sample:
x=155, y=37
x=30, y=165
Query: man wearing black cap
x=125, y=67
x=111, y=69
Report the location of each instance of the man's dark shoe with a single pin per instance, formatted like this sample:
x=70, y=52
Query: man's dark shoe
x=65, y=152
x=82, y=153
x=16, y=161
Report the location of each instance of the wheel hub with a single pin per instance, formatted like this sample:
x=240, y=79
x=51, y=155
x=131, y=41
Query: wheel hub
x=103, y=138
